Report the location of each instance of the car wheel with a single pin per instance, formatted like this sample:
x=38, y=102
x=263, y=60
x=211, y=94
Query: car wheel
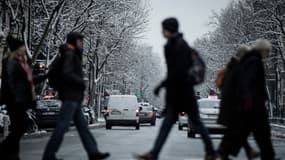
x=191, y=134
x=108, y=126
x=152, y=123
x=137, y=126
x=180, y=128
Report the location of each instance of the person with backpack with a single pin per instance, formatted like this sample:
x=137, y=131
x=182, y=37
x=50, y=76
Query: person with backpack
x=184, y=70
x=18, y=94
x=229, y=116
x=66, y=75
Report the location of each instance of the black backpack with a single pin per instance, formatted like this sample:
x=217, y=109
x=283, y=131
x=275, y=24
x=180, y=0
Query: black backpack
x=198, y=69
x=54, y=75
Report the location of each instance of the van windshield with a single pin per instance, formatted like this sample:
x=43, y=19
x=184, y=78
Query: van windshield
x=122, y=102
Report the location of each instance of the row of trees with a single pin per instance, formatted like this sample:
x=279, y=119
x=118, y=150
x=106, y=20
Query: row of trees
x=242, y=22
x=111, y=28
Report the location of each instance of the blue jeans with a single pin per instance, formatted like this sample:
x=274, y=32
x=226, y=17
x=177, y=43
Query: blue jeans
x=170, y=119
x=70, y=110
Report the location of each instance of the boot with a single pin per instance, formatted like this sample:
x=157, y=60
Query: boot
x=146, y=156
x=99, y=156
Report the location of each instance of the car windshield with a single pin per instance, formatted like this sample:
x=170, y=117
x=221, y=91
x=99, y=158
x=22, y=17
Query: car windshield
x=209, y=104
x=49, y=103
x=146, y=108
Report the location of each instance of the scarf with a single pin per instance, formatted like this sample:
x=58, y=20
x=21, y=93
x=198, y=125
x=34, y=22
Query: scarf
x=25, y=66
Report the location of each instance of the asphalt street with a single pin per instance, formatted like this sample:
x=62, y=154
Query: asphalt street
x=124, y=142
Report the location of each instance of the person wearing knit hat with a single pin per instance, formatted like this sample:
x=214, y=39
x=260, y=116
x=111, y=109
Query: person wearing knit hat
x=252, y=98
x=14, y=43
x=180, y=96
x=19, y=95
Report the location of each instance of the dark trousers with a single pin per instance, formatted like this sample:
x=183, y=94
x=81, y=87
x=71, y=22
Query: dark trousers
x=70, y=110
x=257, y=123
x=170, y=119
x=10, y=147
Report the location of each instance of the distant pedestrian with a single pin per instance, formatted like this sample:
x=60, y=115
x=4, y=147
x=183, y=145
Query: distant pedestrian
x=18, y=93
x=230, y=115
x=71, y=92
x=253, y=95
x=180, y=93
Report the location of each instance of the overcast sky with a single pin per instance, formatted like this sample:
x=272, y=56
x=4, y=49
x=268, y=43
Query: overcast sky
x=193, y=15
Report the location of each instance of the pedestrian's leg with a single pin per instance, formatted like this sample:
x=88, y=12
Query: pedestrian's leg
x=194, y=118
x=87, y=139
x=66, y=114
x=262, y=135
x=11, y=145
x=170, y=119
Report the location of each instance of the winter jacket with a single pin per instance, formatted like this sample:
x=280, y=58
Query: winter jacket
x=229, y=106
x=16, y=87
x=72, y=74
x=180, y=93
x=252, y=83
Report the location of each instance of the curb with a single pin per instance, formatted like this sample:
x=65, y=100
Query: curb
x=42, y=134
x=278, y=130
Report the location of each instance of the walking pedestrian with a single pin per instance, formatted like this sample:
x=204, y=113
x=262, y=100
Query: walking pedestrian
x=253, y=96
x=227, y=82
x=71, y=93
x=18, y=93
x=180, y=93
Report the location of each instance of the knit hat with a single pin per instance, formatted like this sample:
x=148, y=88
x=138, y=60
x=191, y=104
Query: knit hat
x=14, y=43
x=264, y=46
x=72, y=37
x=241, y=52
x=171, y=25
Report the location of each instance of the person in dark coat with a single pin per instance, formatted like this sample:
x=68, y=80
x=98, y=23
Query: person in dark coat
x=230, y=114
x=180, y=95
x=253, y=96
x=71, y=93
x=18, y=93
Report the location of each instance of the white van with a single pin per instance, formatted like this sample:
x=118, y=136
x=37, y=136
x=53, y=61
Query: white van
x=122, y=110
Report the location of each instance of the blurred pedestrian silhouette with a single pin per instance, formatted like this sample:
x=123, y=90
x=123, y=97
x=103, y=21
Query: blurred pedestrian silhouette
x=180, y=95
x=230, y=115
x=18, y=93
x=71, y=92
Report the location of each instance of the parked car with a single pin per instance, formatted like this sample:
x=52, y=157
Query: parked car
x=147, y=115
x=182, y=121
x=122, y=110
x=209, y=110
x=89, y=113
x=47, y=112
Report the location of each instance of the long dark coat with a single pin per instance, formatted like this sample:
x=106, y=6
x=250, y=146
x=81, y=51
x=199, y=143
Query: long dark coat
x=179, y=88
x=229, y=106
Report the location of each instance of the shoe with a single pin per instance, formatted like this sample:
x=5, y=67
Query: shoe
x=99, y=156
x=146, y=156
x=212, y=157
x=252, y=154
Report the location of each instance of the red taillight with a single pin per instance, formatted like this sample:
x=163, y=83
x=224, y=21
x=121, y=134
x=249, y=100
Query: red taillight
x=150, y=115
x=182, y=113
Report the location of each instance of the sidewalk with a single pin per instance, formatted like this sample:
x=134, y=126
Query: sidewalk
x=44, y=133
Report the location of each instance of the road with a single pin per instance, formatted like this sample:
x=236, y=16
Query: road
x=123, y=142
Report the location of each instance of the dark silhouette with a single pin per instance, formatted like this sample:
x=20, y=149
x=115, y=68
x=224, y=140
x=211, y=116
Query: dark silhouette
x=71, y=93
x=253, y=96
x=180, y=93
x=18, y=93
x=230, y=114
